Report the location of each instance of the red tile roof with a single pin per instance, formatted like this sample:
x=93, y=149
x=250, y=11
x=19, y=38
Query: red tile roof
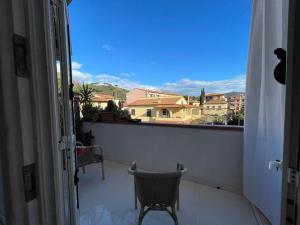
x=213, y=94
x=155, y=101
x=101, y=97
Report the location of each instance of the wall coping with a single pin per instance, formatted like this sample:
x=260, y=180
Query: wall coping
x=208, y=127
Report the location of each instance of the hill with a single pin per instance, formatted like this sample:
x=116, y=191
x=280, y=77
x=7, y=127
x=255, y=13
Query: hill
x=119, y=93
x=230, y=94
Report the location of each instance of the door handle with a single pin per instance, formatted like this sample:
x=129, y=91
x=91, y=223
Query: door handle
x=275, y=165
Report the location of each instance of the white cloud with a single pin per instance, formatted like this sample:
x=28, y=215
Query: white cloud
x=82, y=77
x=76, y=65
x=107, y=47
x=184, y=86
x=127, y=75
x=193, y=87
x=119, y=81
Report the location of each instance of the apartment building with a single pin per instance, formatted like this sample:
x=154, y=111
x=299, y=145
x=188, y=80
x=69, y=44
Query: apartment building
x=213, y=96
x=237, y=102
x=173, y=109
x=215, y=105
x=138, y=93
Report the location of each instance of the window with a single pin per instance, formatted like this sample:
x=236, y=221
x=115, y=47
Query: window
x=220, y=107
x=213, y=107
x=133, y=112
x=149, y=112
x=164, y=112
x=207, y=107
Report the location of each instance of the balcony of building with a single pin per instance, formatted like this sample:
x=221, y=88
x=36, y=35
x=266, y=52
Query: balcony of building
x=210, y=193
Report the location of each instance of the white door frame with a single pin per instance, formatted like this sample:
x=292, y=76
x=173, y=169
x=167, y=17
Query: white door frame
x=39, y=37
x=68, y=118
x=290, y=195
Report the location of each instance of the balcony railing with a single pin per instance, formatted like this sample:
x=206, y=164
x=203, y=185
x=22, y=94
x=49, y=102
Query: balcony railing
x=213, y=154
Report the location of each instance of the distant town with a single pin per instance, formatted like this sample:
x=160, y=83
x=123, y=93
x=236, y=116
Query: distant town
x=155, y=106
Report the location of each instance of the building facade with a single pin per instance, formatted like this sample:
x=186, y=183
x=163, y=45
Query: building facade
x=237, y=103
x=101, y=100
x=138, y=93
x=215, y=105
x=173, y=109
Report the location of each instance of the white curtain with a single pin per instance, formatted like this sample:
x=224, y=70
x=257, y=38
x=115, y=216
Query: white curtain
x=264, y=118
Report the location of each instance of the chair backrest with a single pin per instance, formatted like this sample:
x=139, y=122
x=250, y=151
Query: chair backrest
x=157, y=188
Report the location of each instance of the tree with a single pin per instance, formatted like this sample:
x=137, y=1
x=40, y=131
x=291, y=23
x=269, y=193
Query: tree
x=202, y=96
x=235, y=118
x=85, y=93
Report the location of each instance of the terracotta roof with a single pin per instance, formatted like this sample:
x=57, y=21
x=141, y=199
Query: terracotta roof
x=155, y=101
x=101, y=97
x=213, y=94
x=175, y=106
x=216, y=102
x=157, y=91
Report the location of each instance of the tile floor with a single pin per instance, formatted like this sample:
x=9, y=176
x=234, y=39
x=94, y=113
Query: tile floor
x=111, y=202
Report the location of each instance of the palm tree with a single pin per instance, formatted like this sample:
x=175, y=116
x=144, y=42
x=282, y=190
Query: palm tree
x=85, y=94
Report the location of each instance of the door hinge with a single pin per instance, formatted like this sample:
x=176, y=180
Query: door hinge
x=293, y=177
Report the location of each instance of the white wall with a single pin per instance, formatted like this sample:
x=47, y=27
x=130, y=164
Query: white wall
x=213, y=157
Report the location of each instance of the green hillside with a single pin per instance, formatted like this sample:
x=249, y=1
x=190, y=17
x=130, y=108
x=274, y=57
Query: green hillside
x=107, y=89
x=230, y=94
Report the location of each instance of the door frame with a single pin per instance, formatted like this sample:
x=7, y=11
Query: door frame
x=52, y=84
x=290, y=214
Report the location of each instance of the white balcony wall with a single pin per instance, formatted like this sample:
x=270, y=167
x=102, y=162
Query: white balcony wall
x=213, y=156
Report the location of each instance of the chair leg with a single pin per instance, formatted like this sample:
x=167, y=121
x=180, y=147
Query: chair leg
x=102, y=165
x=141, y=216
x=174, y=215
x=83, y=169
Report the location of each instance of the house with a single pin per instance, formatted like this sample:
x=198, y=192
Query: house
x=193, y=102
x=138, y=93
x=163, y=109
x=214, y=96
x=237, y=102
x=215, y=108
x=215, y=105
x=101, y=100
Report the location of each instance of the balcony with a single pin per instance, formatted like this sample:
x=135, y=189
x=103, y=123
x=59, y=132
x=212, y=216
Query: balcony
x=110, y=202
x=210, y=193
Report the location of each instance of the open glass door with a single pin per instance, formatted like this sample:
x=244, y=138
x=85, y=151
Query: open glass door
x=290, y=213
x=64, y=101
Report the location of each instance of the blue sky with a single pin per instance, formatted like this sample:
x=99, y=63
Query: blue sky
x=174, y=45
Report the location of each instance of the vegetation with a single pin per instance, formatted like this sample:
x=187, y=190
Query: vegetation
x=235, y=118
x=85, y=93
x=118, y=113
x=230, y=94
x=202, y=96
x=108, y=89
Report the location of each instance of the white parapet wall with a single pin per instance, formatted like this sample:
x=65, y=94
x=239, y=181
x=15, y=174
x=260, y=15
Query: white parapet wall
x=213, y=156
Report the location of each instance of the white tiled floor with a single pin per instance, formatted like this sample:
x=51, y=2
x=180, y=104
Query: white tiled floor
x=110, y=202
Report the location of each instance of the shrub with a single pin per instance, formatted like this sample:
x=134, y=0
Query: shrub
x=90, y=112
